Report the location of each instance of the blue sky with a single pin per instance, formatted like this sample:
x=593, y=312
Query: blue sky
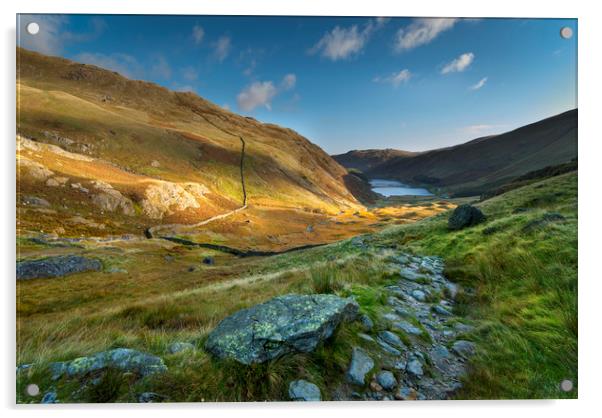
x=344, y=83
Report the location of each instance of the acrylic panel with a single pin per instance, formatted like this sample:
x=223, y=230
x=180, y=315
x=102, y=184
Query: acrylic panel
x=288, y=208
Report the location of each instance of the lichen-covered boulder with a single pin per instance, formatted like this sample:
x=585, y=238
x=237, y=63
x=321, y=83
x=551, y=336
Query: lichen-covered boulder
x=464, y=216
x=302, y=390
x=55, y=266
x=285, y=324
x=124, y=359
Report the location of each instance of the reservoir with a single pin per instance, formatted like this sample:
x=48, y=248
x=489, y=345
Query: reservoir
x=396, y=188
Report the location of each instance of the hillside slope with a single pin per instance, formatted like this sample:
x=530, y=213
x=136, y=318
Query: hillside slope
x=134, y=154
x=484, y=163
x=365, y=160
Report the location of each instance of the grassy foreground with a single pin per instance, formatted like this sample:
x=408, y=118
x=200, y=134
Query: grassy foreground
x=518, y=269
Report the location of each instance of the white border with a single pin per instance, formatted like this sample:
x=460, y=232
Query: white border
x=590, y=232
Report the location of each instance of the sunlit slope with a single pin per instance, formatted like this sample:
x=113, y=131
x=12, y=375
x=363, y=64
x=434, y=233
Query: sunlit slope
x=137, y=134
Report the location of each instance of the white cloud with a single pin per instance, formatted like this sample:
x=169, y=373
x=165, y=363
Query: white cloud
x=124, y=64
x=257, y=94
x=480, y=84
x=421, y=31
x=289, y=81
x=396, y=79
x=482, y=129
x=459, y=64
x=342, y=43
x=198, y=33
x=261, y=93
x=222, y=47
x=161, y=68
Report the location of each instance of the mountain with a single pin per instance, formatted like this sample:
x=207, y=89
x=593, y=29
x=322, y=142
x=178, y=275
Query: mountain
x=482, y=164
x=130, y=154
x=365, y=160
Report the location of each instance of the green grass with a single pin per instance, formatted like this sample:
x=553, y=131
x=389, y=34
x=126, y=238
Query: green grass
x=520, y=292
x=525, y=289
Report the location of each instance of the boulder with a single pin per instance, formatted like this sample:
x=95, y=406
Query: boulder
x=391, y=339
x=302, y=390
x=123, y=359
x=464, y=216
x=55, y=266
x=406, y=327
x=361, y=363
x=285, y=324
x=414, y=367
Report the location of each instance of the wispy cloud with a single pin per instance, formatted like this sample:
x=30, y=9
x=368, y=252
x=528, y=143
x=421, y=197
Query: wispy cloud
x=342, y=43
x=261, y=93
x=53, y=36
x=396, y=79
x=198, y=33
x=459, y=64
x=222, y=47
x=124, y=64
x=480, y=84
x=288, y=82
x=161, y=68
x=421, y=32
x=482, y=129
x=189, y=73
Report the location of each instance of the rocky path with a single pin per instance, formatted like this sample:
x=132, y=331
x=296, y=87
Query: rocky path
x=414, y=349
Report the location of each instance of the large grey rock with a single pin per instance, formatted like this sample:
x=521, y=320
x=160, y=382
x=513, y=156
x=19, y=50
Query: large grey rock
x=285, y=324
x=124, y=359
x=302, y=390
x=55, y=266
x=464, y=348
x=361, y=363
x=464, y=216
x=386, y=379
x=419, y=295
x=414, y=367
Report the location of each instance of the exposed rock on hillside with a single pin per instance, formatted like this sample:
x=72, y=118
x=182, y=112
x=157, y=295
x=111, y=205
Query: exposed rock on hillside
x=164, y=198
x=282, y=325
x=55, y=267
x=465, y=216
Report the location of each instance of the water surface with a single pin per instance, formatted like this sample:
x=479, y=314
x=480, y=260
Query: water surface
x=397, y=188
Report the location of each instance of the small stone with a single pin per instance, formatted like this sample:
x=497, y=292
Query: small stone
x=410, y=274
x=365, y=337
x=150, y=397
x=361, y=363
x=302, y=390
x=386, y=379
x=464, y=348
x=407, y=327
x=389, y=349
x=366, y=322
x=209, y=261
x=49, y=397
x=463, y=328
x=419, y=295
x=191, y=269
x=415, y=367
x=35, y=201
x=406, y=394
x=179, y=347
x=391, y=339
x=375, y=387
x=400, y=365
x=438, y=309
x=390, y=317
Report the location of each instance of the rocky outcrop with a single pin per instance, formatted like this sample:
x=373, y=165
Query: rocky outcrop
x=164, y=198
x=111, y=200
x=123, y=359
x=464, y=216
x=285, y=324
x=55, y=267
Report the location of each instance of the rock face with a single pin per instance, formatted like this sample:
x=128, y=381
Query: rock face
x=361, y=363
x=285, y=324
x=55, y=267
x=124, y=359
x=302, y=390
x=164, y=198
x=465, y=216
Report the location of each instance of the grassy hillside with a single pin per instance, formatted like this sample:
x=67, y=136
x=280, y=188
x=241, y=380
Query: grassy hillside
x=147, y=142
x=518, y=272
x=482, y=164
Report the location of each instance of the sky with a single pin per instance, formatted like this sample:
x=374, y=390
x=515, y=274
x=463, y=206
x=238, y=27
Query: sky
x=344, y=83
